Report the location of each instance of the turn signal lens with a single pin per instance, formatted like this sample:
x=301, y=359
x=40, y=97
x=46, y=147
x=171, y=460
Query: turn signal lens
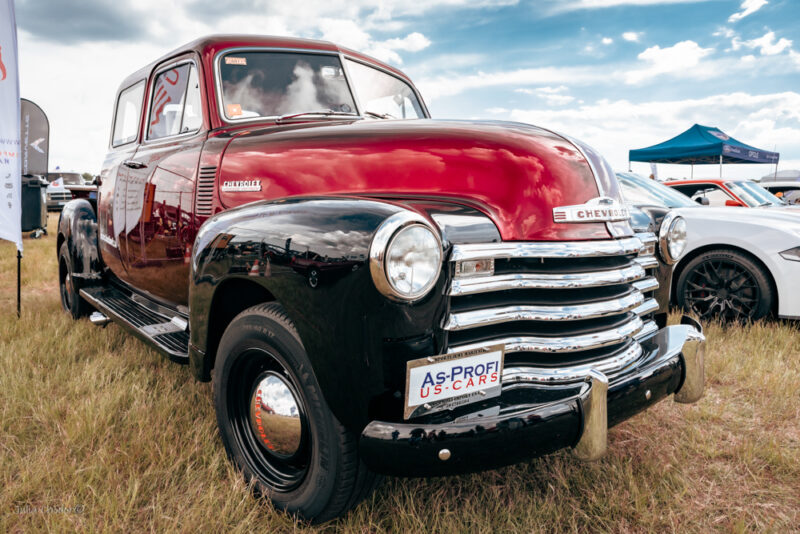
x=469, y=268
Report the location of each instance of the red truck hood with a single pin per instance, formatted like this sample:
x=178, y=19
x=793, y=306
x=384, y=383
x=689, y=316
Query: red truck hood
x=515, y=173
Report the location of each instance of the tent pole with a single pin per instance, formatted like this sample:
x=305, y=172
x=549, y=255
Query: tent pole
x=720, y=166
x=19, y=279
x=776, y=172
x=629, y=166
x=692, y=172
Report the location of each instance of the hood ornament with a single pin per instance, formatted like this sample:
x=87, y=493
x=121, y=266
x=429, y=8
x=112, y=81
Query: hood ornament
x=600, y=209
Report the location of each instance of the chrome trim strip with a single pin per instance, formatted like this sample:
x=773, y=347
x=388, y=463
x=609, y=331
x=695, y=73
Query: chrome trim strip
x=647, y=237
x=505, y=314
x=566, y=344
x=648, y=284
x=648, y=262
x=518, y=376
x=648, y=306
x=650, y=328
x=502, y=282
x=569, y=249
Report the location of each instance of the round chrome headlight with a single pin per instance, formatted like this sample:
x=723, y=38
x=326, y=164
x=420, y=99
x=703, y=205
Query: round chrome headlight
x=672, y=238
x=405, y=257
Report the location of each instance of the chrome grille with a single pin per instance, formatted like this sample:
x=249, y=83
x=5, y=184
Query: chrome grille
x=559, y=309
x=205, y=191
x=61, y=195
x=647, y=259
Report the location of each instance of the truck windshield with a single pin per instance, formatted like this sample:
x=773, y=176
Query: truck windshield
x=382, y=95
x=270, y=84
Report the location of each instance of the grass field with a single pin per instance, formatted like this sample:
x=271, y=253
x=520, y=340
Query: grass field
x=99, y=433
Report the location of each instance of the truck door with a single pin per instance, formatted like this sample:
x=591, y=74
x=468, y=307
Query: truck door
x=114, y=176
x=160, y=194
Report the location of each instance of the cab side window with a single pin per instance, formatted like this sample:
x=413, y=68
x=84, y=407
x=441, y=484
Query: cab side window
x=175, y=106
x=127, y=114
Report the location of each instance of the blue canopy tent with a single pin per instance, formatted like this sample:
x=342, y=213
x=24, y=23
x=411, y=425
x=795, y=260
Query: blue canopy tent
x=702, y=145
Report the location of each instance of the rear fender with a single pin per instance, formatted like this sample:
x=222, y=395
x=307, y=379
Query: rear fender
x=77, y=226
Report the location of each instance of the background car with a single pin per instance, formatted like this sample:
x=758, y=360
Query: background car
x=726, y=192
x=57, y=194
x=787, y=191
x=739, y=264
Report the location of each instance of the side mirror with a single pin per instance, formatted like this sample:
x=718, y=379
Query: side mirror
x=703, y=201
x=97, y=181
x=734, y=203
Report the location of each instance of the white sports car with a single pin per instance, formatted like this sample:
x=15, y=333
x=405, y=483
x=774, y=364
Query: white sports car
x=739, y=263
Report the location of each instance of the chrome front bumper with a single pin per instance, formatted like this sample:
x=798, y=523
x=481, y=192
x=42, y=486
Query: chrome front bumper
x=685, y=340
x=535, y=418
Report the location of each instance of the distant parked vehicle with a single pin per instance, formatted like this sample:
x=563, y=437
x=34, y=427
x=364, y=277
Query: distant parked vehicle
x=57, y=194
x=789, y=192
x=739, y=264
x=788, y=175
x=729, y=192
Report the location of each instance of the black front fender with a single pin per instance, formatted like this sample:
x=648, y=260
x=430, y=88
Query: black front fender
x=311, y=255
x=77, y=226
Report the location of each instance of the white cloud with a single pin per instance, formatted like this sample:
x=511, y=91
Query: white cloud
x=448, y=85
x=766, y=44
x=616, y=126
x=413, y=42
x=607, y=40
x=552, y=96
x=574, y=5
x=670, y=60
x=497, y=111
x=748, y=7
x=632, y=37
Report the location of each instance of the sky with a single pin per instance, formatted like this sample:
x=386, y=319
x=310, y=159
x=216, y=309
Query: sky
x=617, y=74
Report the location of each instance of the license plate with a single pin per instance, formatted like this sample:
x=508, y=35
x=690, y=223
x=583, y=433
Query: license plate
x=447, y=381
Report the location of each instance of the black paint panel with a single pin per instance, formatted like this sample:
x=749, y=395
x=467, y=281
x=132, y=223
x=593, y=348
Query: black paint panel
x=343, y=321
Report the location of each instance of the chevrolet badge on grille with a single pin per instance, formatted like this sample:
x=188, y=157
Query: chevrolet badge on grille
x=601, y=209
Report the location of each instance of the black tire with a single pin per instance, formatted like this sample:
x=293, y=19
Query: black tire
x=727, y=285
x=323, y=478
x=69, y=287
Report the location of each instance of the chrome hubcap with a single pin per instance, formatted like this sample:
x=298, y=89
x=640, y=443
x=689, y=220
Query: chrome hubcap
x=276, y=415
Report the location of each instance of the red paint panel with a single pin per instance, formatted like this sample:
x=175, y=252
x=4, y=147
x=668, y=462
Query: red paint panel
x=514, y=173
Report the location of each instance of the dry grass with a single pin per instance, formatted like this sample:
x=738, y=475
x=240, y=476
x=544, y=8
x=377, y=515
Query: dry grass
x=97, y=432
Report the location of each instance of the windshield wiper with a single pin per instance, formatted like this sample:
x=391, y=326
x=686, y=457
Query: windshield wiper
x=379, y=115
x=322, y=112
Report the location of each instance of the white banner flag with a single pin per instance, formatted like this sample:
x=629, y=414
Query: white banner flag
x=10, y=171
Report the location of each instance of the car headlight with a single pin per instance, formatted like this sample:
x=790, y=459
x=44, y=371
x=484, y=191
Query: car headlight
x=672, y=238
x=793, y=254
x=405, y=257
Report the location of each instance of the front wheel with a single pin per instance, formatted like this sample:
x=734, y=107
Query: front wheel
x=725, y=284
x=275, y=424
x=68, y=287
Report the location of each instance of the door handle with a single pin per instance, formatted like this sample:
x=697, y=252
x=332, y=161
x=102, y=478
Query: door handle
x=132, y=164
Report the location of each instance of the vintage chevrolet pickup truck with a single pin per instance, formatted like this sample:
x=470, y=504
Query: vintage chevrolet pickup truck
x=371, y=291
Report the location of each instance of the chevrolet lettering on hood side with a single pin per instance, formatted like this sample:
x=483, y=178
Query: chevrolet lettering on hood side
x=371, y=291
x=596, y=210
